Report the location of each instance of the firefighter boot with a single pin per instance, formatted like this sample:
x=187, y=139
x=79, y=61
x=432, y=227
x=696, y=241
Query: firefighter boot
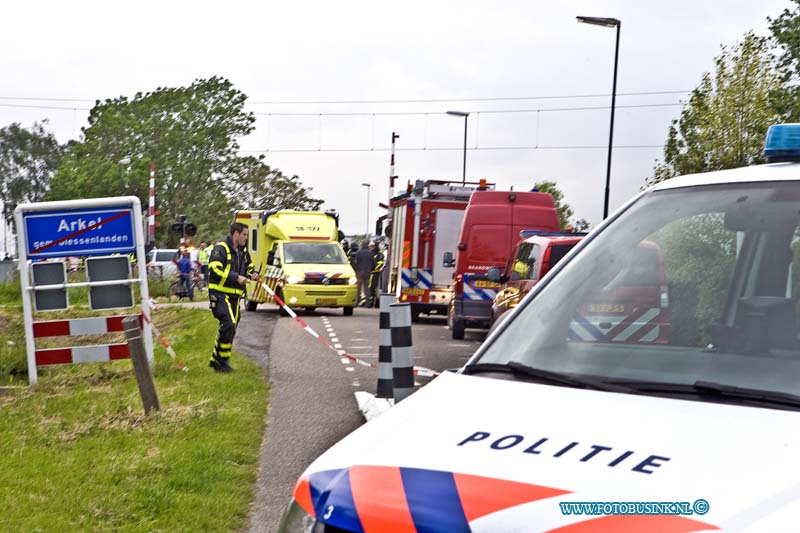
x=220, y=364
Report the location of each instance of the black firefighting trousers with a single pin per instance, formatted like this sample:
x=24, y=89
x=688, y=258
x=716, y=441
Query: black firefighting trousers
x=225, y=308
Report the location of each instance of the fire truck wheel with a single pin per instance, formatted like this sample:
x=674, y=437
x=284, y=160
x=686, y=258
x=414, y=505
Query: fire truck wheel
x=348, y=311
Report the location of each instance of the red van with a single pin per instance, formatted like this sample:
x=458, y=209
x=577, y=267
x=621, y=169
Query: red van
x=531, y=259
x=490, y=230
x=633, y=307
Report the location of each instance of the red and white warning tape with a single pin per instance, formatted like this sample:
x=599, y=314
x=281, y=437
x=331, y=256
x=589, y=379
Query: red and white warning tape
x=161, y=338
x=418, y=370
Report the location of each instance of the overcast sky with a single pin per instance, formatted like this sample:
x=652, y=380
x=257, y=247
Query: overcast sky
x=410, y=50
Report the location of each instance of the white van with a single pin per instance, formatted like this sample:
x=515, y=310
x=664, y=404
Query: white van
x=557, y=425
x=161, y=263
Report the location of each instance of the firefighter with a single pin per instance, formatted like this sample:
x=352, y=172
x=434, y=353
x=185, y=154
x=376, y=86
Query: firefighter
x=229, y=269
x=375, y=277
x=364, y=264
x=351, y=254
x=203, y=254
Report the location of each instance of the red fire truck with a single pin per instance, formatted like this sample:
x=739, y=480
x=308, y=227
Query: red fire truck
x=424, y=224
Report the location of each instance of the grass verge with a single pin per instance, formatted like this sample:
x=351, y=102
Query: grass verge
x=79, y=454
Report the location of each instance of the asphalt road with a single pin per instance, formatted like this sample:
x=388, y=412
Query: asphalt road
x=312, y=402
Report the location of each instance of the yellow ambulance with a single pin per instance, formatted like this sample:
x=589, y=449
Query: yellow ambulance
x=298, y=255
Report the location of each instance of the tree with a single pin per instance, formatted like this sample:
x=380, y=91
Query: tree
x=563, y=208
x=261, y=187
x=724, y=123
x=580, y=224
x=28, y=160
x=190, y=132
x=786, y=32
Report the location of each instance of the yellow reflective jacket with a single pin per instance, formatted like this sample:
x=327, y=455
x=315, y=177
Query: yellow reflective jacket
x=225, y=266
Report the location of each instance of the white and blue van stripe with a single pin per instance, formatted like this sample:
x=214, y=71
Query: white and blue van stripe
x=421, y=278
x=584, y=329
x=581, y=329
x=471, y=293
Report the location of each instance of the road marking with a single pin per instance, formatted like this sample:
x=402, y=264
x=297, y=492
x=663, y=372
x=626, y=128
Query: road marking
x=341, y=352
x=337, y=345
x=334, y=338
x=350, y=369
x=345, y=361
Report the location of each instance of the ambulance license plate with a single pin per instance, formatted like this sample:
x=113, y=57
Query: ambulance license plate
x=414, y=292
x=326, y=301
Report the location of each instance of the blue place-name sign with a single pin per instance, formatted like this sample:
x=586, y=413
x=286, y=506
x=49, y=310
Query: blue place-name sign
x=79, y=232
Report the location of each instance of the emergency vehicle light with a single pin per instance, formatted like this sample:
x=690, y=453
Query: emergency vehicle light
x=783, y=143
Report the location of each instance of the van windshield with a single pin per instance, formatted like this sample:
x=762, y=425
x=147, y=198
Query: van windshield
x=313, y=252
x=165, y=255
x=696, y=284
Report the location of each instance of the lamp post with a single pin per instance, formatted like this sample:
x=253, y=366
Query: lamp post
x=367, y=185
x=464, y=167
x=608, y=23
x=122, y=162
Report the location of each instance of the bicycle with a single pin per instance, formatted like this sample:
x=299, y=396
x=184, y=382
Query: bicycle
x=178, y=288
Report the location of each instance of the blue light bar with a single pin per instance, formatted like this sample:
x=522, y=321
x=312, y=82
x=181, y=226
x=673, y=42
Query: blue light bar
x=783, y=143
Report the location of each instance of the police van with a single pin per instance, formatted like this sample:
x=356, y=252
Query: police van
x=544, y=430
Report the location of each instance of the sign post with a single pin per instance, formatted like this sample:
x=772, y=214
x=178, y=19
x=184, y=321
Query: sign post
x=90, y=227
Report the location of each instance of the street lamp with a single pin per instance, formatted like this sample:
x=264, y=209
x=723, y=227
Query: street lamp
x=122, y=162
x=608, y=23
x=464, y=168
x=367, y=185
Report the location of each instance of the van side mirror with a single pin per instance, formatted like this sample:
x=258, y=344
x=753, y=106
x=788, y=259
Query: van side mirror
x=448, y=260
x=494, y=275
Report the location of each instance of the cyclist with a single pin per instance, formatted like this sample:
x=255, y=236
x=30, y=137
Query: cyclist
x=185, y=269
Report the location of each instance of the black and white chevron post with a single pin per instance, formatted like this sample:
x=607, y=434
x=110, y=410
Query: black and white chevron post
x=385, y=388
x=402, y=359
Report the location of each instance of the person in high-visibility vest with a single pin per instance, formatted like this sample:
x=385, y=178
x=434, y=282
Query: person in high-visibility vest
x=229, y=268
x=375, y=277
x=203, y=254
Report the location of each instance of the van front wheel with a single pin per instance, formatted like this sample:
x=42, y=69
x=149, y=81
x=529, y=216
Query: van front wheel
x=458, y=330
x=348, y=311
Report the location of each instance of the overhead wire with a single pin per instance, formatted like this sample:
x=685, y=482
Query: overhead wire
x=458, y=148
x=386, y=100
x=320, y=115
